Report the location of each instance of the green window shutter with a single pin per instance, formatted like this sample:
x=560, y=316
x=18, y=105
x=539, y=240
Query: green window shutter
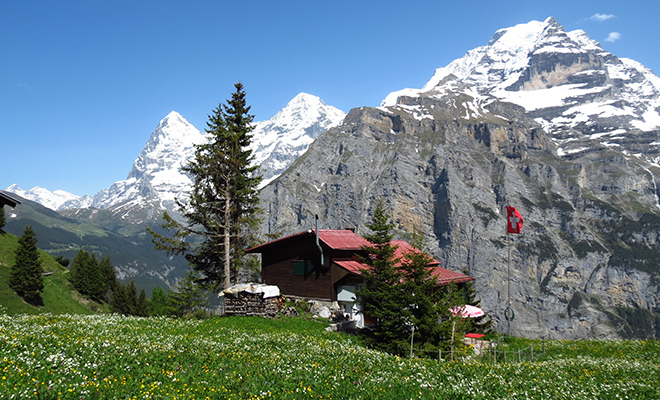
x=302, y=267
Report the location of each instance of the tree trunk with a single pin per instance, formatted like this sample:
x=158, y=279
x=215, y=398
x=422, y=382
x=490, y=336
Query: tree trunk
x=227, y=271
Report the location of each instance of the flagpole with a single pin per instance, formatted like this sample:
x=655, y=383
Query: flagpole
x=508, y=280
x=512, y=217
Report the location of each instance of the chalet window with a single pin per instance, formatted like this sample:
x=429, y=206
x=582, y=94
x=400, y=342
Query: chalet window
x=304, y=267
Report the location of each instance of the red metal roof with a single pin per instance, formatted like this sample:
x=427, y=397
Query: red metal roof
x=347, y=240
x=342, y=239
x=337, y=239
x=444, y=276
x=404, y=248
x=352, y=266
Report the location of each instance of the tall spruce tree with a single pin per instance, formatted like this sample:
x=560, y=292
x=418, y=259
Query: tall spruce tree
x=421, y=287
x=3, y=219
x=26, y=276
x=109, y=277
x=382, y=295
x=223, y=202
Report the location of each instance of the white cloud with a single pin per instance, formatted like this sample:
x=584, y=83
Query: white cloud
x=613, y=37
x=601, y=17
x=24, y=86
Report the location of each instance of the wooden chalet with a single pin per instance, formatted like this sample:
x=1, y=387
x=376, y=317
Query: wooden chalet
x=326, y=267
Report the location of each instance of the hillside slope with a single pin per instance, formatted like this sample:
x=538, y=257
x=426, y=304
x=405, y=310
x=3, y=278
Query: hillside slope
x=58, y=296
x=129, y=246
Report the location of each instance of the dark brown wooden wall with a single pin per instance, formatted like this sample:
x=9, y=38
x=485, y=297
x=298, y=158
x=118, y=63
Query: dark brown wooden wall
x=277, y=269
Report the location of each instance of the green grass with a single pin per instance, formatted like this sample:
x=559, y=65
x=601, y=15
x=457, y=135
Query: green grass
x=112, y=357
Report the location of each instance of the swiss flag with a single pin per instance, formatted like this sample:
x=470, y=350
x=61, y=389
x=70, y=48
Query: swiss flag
x=514, y=220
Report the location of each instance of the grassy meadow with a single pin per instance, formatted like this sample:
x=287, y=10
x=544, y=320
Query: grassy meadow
x=114, y=357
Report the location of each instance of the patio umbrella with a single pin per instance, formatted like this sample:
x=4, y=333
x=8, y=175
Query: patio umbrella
x=467, y=311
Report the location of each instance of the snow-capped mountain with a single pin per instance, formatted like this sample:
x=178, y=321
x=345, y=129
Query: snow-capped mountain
x=59, y=199
x=156, y=179
x=276, y=143
x=156, y=176
x=576, y=90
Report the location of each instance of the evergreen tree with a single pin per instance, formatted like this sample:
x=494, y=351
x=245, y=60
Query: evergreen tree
x=160, y=303
x=3, y=219
x=223, y=203
x=125, y=300
x=62, y=261
x=421, y=287
x=87, y=275
x=108, y=276
x=142, y=305
x=77, y=271
x=26, y=277
x=383, y=295
x=452, y=325
x=188, y=297
x=131, y=298
x=119, y=302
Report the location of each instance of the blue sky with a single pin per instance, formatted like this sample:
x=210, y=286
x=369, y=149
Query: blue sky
x=84, y=83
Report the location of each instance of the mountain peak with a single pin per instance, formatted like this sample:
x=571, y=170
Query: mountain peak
x=173, y=122
x=54, y=200
x=279, y=141
x=565, y=78
x=305, y=97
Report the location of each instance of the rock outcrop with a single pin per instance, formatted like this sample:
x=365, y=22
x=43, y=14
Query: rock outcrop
x=448, y=159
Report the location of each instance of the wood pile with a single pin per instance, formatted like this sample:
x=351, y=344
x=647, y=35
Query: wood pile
x=247, y=304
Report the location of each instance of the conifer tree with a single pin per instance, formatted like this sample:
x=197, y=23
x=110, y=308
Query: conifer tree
x=382, y=295
x=3, y=219
x=108, y=276
x=87, y=276
x=452, y=325
x=26, y=277
x=77, y=271
x=160, y=303
x=188, y=297
x=119, y=302
x=421, y=287
x=223, y=203
x=142, y=305
x=131, y=298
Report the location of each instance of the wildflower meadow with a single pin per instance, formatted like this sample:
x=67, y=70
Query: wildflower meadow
x=115, y=357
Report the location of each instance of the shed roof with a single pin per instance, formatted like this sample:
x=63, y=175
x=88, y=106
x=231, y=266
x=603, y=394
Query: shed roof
x=8, y=200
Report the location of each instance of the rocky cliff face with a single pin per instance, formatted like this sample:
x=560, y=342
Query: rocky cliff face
x=579, y=164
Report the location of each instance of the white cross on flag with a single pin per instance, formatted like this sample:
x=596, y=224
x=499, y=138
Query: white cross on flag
x=514, y=220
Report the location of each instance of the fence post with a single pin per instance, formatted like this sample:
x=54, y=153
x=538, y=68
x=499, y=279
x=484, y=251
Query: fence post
x=531, y=352
x=518, y=356
x=504, y=356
